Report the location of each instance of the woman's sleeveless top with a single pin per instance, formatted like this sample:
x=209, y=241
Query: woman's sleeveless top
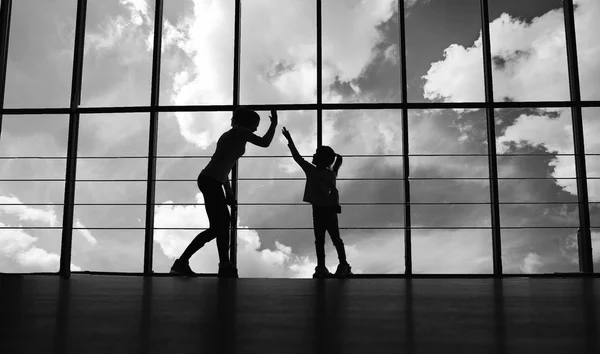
x=230, y=147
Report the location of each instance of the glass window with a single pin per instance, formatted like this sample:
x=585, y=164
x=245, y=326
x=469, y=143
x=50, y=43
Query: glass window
x=586, y=27
x=449, y=191
x=117, y=59
x=528, y=51
x=278, y=54
x=33, y=153
x=444, y=60
x=40, y=54
x=361, y=58
x=537, y=190
x=110, y=192
x=197, y=52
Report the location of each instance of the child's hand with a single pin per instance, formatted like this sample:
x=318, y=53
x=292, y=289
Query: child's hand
x=286, y=134
x=273, y=117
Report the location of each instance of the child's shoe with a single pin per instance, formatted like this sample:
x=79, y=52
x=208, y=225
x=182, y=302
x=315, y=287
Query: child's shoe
x=227, y=270
x=180, y=267
x=321, y=272
x=343, y=270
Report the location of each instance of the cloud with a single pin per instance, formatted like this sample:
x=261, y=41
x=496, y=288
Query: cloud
x=253, y=261
x=18, y=248
x=19, y=253
x=25, y=213
x=530, y=65
x=85, y=233
x=276, y=66
x=532, y=263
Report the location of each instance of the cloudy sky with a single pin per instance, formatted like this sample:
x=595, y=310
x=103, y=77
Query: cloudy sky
x=278, y=65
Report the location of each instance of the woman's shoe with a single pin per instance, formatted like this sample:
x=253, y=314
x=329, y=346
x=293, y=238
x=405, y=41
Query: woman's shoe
x=180, y=267
x=227, y=270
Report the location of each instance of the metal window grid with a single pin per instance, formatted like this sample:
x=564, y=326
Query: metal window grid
x=74, y=111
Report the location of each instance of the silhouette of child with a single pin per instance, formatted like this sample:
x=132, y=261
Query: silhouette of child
x=211, y=181
x=321, y=192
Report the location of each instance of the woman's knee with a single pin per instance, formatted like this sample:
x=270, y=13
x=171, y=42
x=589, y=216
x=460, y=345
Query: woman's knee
x=337, y=241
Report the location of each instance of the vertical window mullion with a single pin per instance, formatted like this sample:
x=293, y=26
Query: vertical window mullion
x=236, y=102
x=153, y=138
x=491, y=138
x=5, y=12
x=319, y=74
x=73, y=137
x=586, y=264
x=405, y=145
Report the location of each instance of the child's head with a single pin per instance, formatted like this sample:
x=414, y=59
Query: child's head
x=323, y=157
x=245, y=117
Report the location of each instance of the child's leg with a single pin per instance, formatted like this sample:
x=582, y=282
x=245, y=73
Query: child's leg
x=319, y=227
x=334, y=232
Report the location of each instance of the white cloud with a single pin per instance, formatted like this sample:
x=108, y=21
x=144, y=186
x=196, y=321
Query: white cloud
x=531, y=263
x=85, y=233
x=277, y=66
x=26, y=213
x=533, y=68
x=252, y=260
x=19, y=253
x=349, y=35
x=139, y=11
x=530, y=57
x=442, y=81
x=13, y=241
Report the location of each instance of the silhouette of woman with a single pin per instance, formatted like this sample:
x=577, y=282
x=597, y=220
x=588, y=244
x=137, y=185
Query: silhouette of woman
x=211, y=181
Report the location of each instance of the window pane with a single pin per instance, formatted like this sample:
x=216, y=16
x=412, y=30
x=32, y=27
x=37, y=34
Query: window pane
x=449, y=188
x=535, y=156
x=30, y=250
x=591, y=129
x=361, y=59
x=186, y=141
x=450, y=216
x=365, y=132
x=40, y=54
x=528, y=50
x=278, y=52
x=448, y=132
x=452, y=251
x=32, y=147
x=537, y=188
x=586, y=27
x=443, y=52
x=534, y=251
x=197, y=52
x=372, y=251
x=596, y=248
x=117, y=67
x=112, y=147
x=113, y=251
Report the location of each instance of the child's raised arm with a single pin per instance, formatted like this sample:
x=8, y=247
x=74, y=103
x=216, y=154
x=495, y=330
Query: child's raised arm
x=338, y=163
x=295, y=154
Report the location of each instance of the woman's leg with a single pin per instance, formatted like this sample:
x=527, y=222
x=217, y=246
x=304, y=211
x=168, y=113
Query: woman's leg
x=218, y=217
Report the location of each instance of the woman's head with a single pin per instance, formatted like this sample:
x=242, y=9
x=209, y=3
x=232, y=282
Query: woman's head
x=245, y=117
x=324, y=156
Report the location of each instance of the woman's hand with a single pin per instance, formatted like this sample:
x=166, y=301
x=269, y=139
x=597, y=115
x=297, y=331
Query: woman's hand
x=230, y=199
x=273, y=117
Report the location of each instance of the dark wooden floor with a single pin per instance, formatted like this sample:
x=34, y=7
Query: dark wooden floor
x=112, y=314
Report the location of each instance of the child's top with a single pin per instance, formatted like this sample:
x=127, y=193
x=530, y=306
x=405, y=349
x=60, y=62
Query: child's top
x=320, y=189
x=230, y=147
